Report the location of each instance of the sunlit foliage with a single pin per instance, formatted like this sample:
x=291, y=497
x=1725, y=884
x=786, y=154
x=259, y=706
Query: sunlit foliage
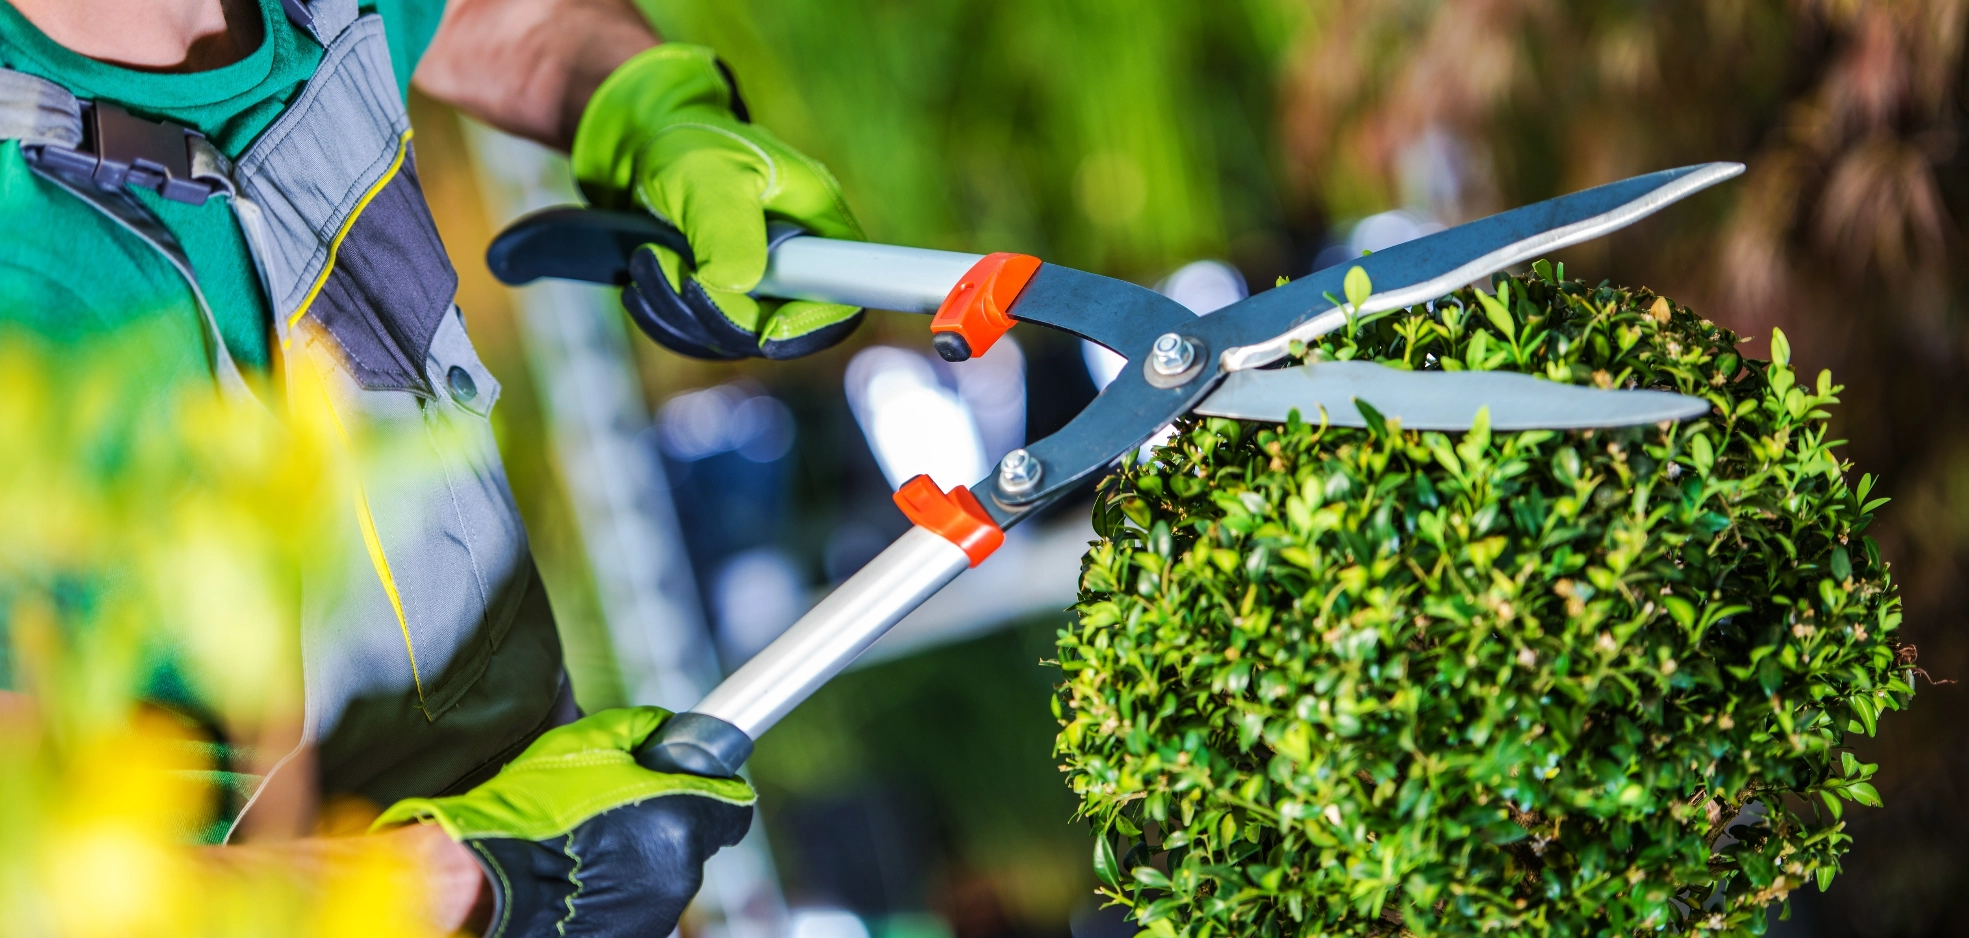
x=1331, y=681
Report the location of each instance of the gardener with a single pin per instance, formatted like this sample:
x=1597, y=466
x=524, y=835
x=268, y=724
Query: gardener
x=234, y=180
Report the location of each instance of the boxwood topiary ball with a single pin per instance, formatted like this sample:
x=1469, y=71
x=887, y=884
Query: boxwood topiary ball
x=1330, y=681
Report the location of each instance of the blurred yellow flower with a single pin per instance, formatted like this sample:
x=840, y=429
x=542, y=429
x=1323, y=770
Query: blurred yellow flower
x=149, y=554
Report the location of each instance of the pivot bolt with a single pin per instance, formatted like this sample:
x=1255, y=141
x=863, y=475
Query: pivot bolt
x=1018, y=472
x=1171, y=355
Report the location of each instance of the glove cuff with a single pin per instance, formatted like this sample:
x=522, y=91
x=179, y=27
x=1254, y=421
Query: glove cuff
x=652, y=90
x=501, y=886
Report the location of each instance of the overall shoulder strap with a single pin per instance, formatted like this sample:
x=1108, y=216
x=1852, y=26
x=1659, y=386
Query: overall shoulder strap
x=326, y=19
x=35, y=111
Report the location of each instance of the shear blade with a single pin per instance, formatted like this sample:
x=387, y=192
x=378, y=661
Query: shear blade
x=1429, y=267
x=1437, y=400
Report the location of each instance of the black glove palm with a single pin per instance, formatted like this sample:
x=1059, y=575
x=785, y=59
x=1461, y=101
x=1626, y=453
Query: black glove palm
x=626, y=872
x=576, y=838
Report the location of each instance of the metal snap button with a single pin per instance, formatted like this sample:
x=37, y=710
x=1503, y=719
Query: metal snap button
x=463, y=388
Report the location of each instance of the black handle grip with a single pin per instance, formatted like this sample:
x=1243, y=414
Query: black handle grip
x=575, y=243
x=696, y=744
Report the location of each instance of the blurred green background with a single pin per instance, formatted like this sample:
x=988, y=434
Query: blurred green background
x=1131, y=137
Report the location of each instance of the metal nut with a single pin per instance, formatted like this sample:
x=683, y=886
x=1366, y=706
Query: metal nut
x=1018, y=472
x=1172, y=354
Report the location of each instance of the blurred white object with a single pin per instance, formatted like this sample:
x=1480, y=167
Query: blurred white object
x=1383, y=231
x=913, y=423
x=1445, y=176
x=755, y=596
x=1378, y=233
x=825, y=923
x=736, y=416
x=1204, y=286
x=1201, y=286
x=993, y=386
x=1102, y=365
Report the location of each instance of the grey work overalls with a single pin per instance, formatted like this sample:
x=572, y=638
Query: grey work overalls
x=434, y=659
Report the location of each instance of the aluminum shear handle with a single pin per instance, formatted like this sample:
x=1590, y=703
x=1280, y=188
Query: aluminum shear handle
x=1177, y=362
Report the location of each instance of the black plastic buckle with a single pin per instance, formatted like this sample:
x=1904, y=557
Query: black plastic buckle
x=119, y=148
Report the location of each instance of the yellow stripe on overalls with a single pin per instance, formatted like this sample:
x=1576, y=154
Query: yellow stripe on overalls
x=374, y=543
x=403, y=147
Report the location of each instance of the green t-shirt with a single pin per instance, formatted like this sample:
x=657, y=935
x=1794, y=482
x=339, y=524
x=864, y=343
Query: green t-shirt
x=68, y=273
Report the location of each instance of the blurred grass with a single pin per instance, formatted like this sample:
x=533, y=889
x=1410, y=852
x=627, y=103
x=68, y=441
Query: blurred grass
x=1123, y=137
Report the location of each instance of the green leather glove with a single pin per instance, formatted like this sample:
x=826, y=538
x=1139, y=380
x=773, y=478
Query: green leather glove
x=667, y=132
x=577, y=839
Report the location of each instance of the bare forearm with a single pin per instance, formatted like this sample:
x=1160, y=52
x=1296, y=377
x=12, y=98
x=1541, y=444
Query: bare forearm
x=434, y=866
x=529, y=67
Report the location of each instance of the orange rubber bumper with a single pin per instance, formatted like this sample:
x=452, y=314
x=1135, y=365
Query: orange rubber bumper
x=955, y=516
x=977, y=310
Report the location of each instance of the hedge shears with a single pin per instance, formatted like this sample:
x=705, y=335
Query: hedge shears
x=1225, y=364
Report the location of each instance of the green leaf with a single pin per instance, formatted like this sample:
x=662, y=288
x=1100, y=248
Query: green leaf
x=1683, y=611
x=1566, y=465
x=1376, y=424
x=1477, y=441
x=1780, y=348
x=1842, y=565
x=1358, y=288
x=1158, y=910
x=1296, y=743
x=1475, y=355
x=1151, y=877
x=1864, y=793
x=1701, y=453
x=1499, y=314
x=1106, y=866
